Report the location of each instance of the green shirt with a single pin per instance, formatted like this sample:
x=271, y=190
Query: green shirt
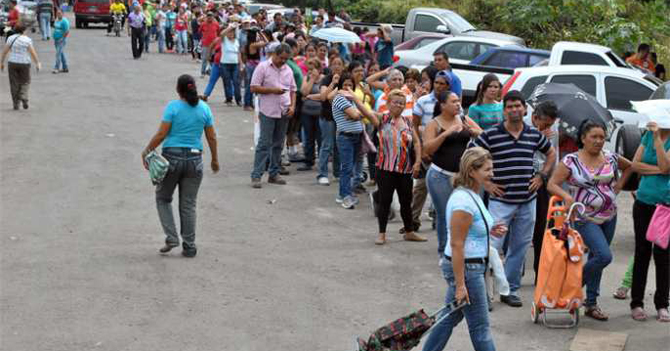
x=653, y=189
x=297, y=73
x=148, y=19
x=486, y=115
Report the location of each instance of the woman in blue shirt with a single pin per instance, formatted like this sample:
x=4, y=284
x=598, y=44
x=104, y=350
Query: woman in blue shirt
x=180, y=132
x=466, y=253
x=652, y=161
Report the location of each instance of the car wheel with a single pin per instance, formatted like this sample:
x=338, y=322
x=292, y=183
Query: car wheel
x=85, y=24
x=77, y=22
x=627, y=141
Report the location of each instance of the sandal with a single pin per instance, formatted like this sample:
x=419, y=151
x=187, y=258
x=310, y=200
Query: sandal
x=381, y=239
x=638, y=314
x=596, y=313
x=663, y=315
x=621, y=293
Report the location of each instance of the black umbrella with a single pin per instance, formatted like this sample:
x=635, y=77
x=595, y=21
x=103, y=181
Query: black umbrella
x=574, y=107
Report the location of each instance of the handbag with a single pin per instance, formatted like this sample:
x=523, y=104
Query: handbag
x=366, y=144
x=158, y=167
x=658, y=231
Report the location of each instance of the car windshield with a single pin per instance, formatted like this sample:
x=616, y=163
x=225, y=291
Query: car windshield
x=459, y=22
x=617, y=60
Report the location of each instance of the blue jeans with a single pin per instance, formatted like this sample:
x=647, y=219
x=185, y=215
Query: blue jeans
x=45, y=25
x=520, y=219
x=186, y=170
x=248, y=96
x=147, y=40
x=60, y=54
x=348, y=146
x=310, y=125
x=213, y=77
x=182, y=42
x=439, y=188
x=327, y=129
x=205, y=59
x=231, y=81
x=160, y=34
x=270, y=145
x=476, y=313
x=597, y=238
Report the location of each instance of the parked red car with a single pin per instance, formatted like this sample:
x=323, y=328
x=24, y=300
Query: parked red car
x=91, y=11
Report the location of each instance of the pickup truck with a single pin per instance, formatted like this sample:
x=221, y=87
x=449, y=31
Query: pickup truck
x=426, y=20
x=574, y=53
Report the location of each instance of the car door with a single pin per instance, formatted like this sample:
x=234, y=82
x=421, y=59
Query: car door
x=464, y=51
x=425, y=23
x=584, y=81
x=619, y=91
x=507, y=59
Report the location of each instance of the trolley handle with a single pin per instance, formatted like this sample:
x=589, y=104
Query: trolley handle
x=572, y=208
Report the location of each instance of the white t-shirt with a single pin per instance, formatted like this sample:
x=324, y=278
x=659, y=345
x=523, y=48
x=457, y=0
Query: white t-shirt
x=230, y=51
x=20, y=45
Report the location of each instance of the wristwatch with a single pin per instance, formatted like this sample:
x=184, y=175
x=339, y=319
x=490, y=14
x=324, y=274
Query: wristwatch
x=544, y=177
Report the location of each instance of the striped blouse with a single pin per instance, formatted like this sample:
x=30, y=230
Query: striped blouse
x=395, y=145
x=594, y=187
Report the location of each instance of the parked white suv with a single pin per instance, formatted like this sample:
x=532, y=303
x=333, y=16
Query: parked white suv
x=613, y=87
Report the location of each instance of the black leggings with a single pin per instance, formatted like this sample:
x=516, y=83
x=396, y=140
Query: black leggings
x=644, y=250
x=541, y=209
x=387, y=183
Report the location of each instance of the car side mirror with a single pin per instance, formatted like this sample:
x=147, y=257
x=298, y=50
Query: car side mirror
x=443, y=29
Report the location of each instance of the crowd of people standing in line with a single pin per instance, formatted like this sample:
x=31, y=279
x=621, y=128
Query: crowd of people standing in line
x=489, y=171
x=408, y=133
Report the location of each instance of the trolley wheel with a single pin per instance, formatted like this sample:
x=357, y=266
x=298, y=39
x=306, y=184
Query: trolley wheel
x=535, y=313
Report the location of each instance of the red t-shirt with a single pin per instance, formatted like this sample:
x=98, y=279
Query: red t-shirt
x=209, y=32
x=13, y=17
x=181, y=23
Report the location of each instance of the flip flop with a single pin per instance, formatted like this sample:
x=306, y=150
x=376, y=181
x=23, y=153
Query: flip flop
x=621, y=293
x=663, y=315
x=638, y=314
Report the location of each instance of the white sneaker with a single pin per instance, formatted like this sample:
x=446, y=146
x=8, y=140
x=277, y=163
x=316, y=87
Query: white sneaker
x=349, y=202
x=323, y=181
x=339, y=199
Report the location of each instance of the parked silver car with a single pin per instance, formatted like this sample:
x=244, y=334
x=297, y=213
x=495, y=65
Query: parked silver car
x=460, y=50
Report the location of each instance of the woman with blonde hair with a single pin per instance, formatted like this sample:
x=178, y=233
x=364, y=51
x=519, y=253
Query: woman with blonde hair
x=445, y=140
x=398, y=161
x=469, y=225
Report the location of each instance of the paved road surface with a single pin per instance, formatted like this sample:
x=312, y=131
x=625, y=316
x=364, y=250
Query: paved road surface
x=79, y=263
